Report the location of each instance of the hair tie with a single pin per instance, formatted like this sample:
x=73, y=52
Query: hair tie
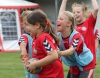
x=47, y=22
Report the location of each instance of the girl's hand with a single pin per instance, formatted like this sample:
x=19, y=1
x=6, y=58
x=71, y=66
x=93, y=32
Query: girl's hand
x=59, y=52
x=24, y=55
x=31, y=67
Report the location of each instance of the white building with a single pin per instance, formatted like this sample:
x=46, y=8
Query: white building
x=10, y=22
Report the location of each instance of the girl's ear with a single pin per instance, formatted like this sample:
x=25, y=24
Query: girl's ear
x=84, y=13
x=38, y=25
x=69, y=23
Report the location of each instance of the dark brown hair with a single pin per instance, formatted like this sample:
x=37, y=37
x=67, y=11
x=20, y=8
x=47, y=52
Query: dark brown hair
x=40, y=17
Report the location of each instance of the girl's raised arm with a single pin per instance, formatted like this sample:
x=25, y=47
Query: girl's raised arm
x=63, y=6
x=95, y=8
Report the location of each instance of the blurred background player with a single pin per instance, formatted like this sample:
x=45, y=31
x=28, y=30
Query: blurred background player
x=25, y=43
x=96, y=33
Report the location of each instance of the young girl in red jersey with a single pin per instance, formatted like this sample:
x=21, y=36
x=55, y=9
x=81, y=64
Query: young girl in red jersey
x=25, y=43
x=86, y=27
x=74, y=44
x=45, y=46
x=96, y=33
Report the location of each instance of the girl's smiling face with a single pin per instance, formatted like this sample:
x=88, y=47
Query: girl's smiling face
x=24, y=24
x=78, y=14
x=62, y=22
x=32, y=29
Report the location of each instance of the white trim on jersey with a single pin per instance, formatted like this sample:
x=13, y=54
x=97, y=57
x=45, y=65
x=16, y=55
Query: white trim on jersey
x=47, y=45
x=75, y=42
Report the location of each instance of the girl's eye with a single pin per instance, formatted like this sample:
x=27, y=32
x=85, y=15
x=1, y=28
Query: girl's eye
x=78, y=12
x=73, y=12
x=61, y=18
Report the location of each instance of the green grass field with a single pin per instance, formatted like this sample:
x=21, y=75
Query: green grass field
x=12, y=67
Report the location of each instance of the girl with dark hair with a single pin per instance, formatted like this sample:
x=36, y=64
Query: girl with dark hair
x=45, y=46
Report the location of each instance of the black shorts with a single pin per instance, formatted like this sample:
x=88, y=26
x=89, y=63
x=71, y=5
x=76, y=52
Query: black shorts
x=83, y=74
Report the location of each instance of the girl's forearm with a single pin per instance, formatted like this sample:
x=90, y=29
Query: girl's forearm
x=67, y=52
x=96, y=44
x=23, y=47
x=51, y=57
x=63, y=5
x=95, y=8
x=95, y=4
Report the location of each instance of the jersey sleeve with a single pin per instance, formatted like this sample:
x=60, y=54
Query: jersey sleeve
x=23, y=38
x=92, y=21
x=48, y=45
x=77, y=43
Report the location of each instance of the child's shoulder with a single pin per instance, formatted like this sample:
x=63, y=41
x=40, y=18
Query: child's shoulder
x=45, y=36
x=91, y=17
x=25, y=35
x=76, y=34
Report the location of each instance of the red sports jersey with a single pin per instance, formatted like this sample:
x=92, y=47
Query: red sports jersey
x=41, y=47
x=23, y=38
x=77, y=43
x=86, y=29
